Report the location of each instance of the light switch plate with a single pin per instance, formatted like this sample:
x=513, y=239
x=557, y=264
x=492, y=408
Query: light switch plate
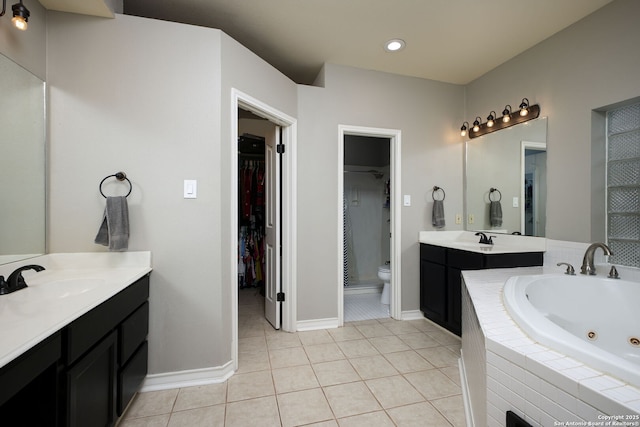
x=407, y=199
x=190, y=189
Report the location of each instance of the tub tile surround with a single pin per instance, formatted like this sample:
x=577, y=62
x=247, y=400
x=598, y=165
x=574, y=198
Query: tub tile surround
x=539, y=384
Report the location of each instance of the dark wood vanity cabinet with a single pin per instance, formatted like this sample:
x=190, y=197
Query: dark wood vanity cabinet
x=441, y=279
x=106, y=357
x=86, y=373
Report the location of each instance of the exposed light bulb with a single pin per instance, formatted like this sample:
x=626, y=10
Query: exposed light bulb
x=490, y=121
x=19, y=23
x=524, y=107
x=463, y=129
x=476, y=124
x=506, y=114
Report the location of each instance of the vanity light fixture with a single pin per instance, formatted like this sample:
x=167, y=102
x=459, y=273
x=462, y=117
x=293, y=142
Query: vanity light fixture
x=491, y=118
x=463, y=129
x=476, y=124
x=524, y=107
x=394, y=45
x=20, y=14
x=506, y=114
x=525, y=113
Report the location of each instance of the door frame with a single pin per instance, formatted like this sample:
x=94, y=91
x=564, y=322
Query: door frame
x=288, y=213
x=395, y=138
x=524, y=146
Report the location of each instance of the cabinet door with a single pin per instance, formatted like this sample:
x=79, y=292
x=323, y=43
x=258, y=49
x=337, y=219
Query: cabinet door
x=454, y=306
x=91, y=387
x=433, y=291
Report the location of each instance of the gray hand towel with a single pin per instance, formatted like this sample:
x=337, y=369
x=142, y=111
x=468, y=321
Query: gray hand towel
x=437, y=216
x=495, y=214
x=114, y=230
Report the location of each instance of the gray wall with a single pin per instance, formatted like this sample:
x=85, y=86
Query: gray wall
x=143, y=96
x=592, y=64
x=152, y=98
x=427, y=113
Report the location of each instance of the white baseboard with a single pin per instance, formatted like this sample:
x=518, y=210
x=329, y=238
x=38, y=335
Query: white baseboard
x=412, y=315
x=188, y=378
x=315, y=324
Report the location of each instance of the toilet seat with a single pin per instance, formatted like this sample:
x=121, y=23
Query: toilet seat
x=384, y=269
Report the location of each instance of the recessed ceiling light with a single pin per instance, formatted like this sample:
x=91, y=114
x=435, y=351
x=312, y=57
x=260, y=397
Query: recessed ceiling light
x=394, y=45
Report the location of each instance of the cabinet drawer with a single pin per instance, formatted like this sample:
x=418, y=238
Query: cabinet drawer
x=131, y=376
x=21, y=371
x=86, y=331
x=520, y=259
x=465, y=260
x=431, y=253
x=133, y=332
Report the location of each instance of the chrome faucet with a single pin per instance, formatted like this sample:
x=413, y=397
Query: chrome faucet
x=587, y=261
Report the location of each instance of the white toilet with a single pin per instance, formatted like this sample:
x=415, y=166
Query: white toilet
x=384, y=274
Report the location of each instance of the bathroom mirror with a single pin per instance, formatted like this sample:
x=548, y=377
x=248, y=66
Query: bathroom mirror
x=511, y=161
x=22, y=173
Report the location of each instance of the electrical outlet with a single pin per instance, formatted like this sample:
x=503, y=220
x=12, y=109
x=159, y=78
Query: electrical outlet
x=471, y=219
x=458, y=219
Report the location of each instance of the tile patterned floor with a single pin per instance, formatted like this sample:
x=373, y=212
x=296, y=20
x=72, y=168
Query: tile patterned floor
x=372, y=373
x=364, y=307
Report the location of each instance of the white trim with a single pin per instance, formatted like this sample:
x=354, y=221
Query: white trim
x=395, y=142
x=412, y=315
x=192, y=377
x=315, y=324
x=289, y=238
x=524, y=146
x=466, y=394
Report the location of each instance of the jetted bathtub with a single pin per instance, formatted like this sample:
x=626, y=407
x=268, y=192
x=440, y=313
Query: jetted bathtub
x=594, y=320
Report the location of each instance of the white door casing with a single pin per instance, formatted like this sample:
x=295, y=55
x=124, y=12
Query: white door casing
x=394, y=135
x=288, y=212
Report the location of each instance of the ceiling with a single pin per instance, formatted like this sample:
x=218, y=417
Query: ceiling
x=453, y=41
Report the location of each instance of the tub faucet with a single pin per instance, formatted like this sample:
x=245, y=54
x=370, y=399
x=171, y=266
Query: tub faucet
x=587, y=261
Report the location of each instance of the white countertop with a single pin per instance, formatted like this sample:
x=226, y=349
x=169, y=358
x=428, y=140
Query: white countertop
x=468, y=241
x=70, y=286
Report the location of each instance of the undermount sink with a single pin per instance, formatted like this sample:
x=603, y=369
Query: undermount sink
x=474, y=245
x=66, y=288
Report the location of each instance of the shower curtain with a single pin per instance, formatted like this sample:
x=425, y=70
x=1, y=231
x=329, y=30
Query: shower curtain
x=349, y=260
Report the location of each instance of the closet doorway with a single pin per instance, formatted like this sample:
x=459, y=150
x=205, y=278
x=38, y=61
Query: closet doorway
x=369, y=185
x=259, y=219
x=268, y=163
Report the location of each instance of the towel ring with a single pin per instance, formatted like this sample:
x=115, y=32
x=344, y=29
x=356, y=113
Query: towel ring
x=436, y=189
x=491, y=190
x=120, y=176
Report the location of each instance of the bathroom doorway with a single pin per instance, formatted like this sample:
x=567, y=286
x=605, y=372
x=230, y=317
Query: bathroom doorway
x=534, y=189
x=369, y=286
